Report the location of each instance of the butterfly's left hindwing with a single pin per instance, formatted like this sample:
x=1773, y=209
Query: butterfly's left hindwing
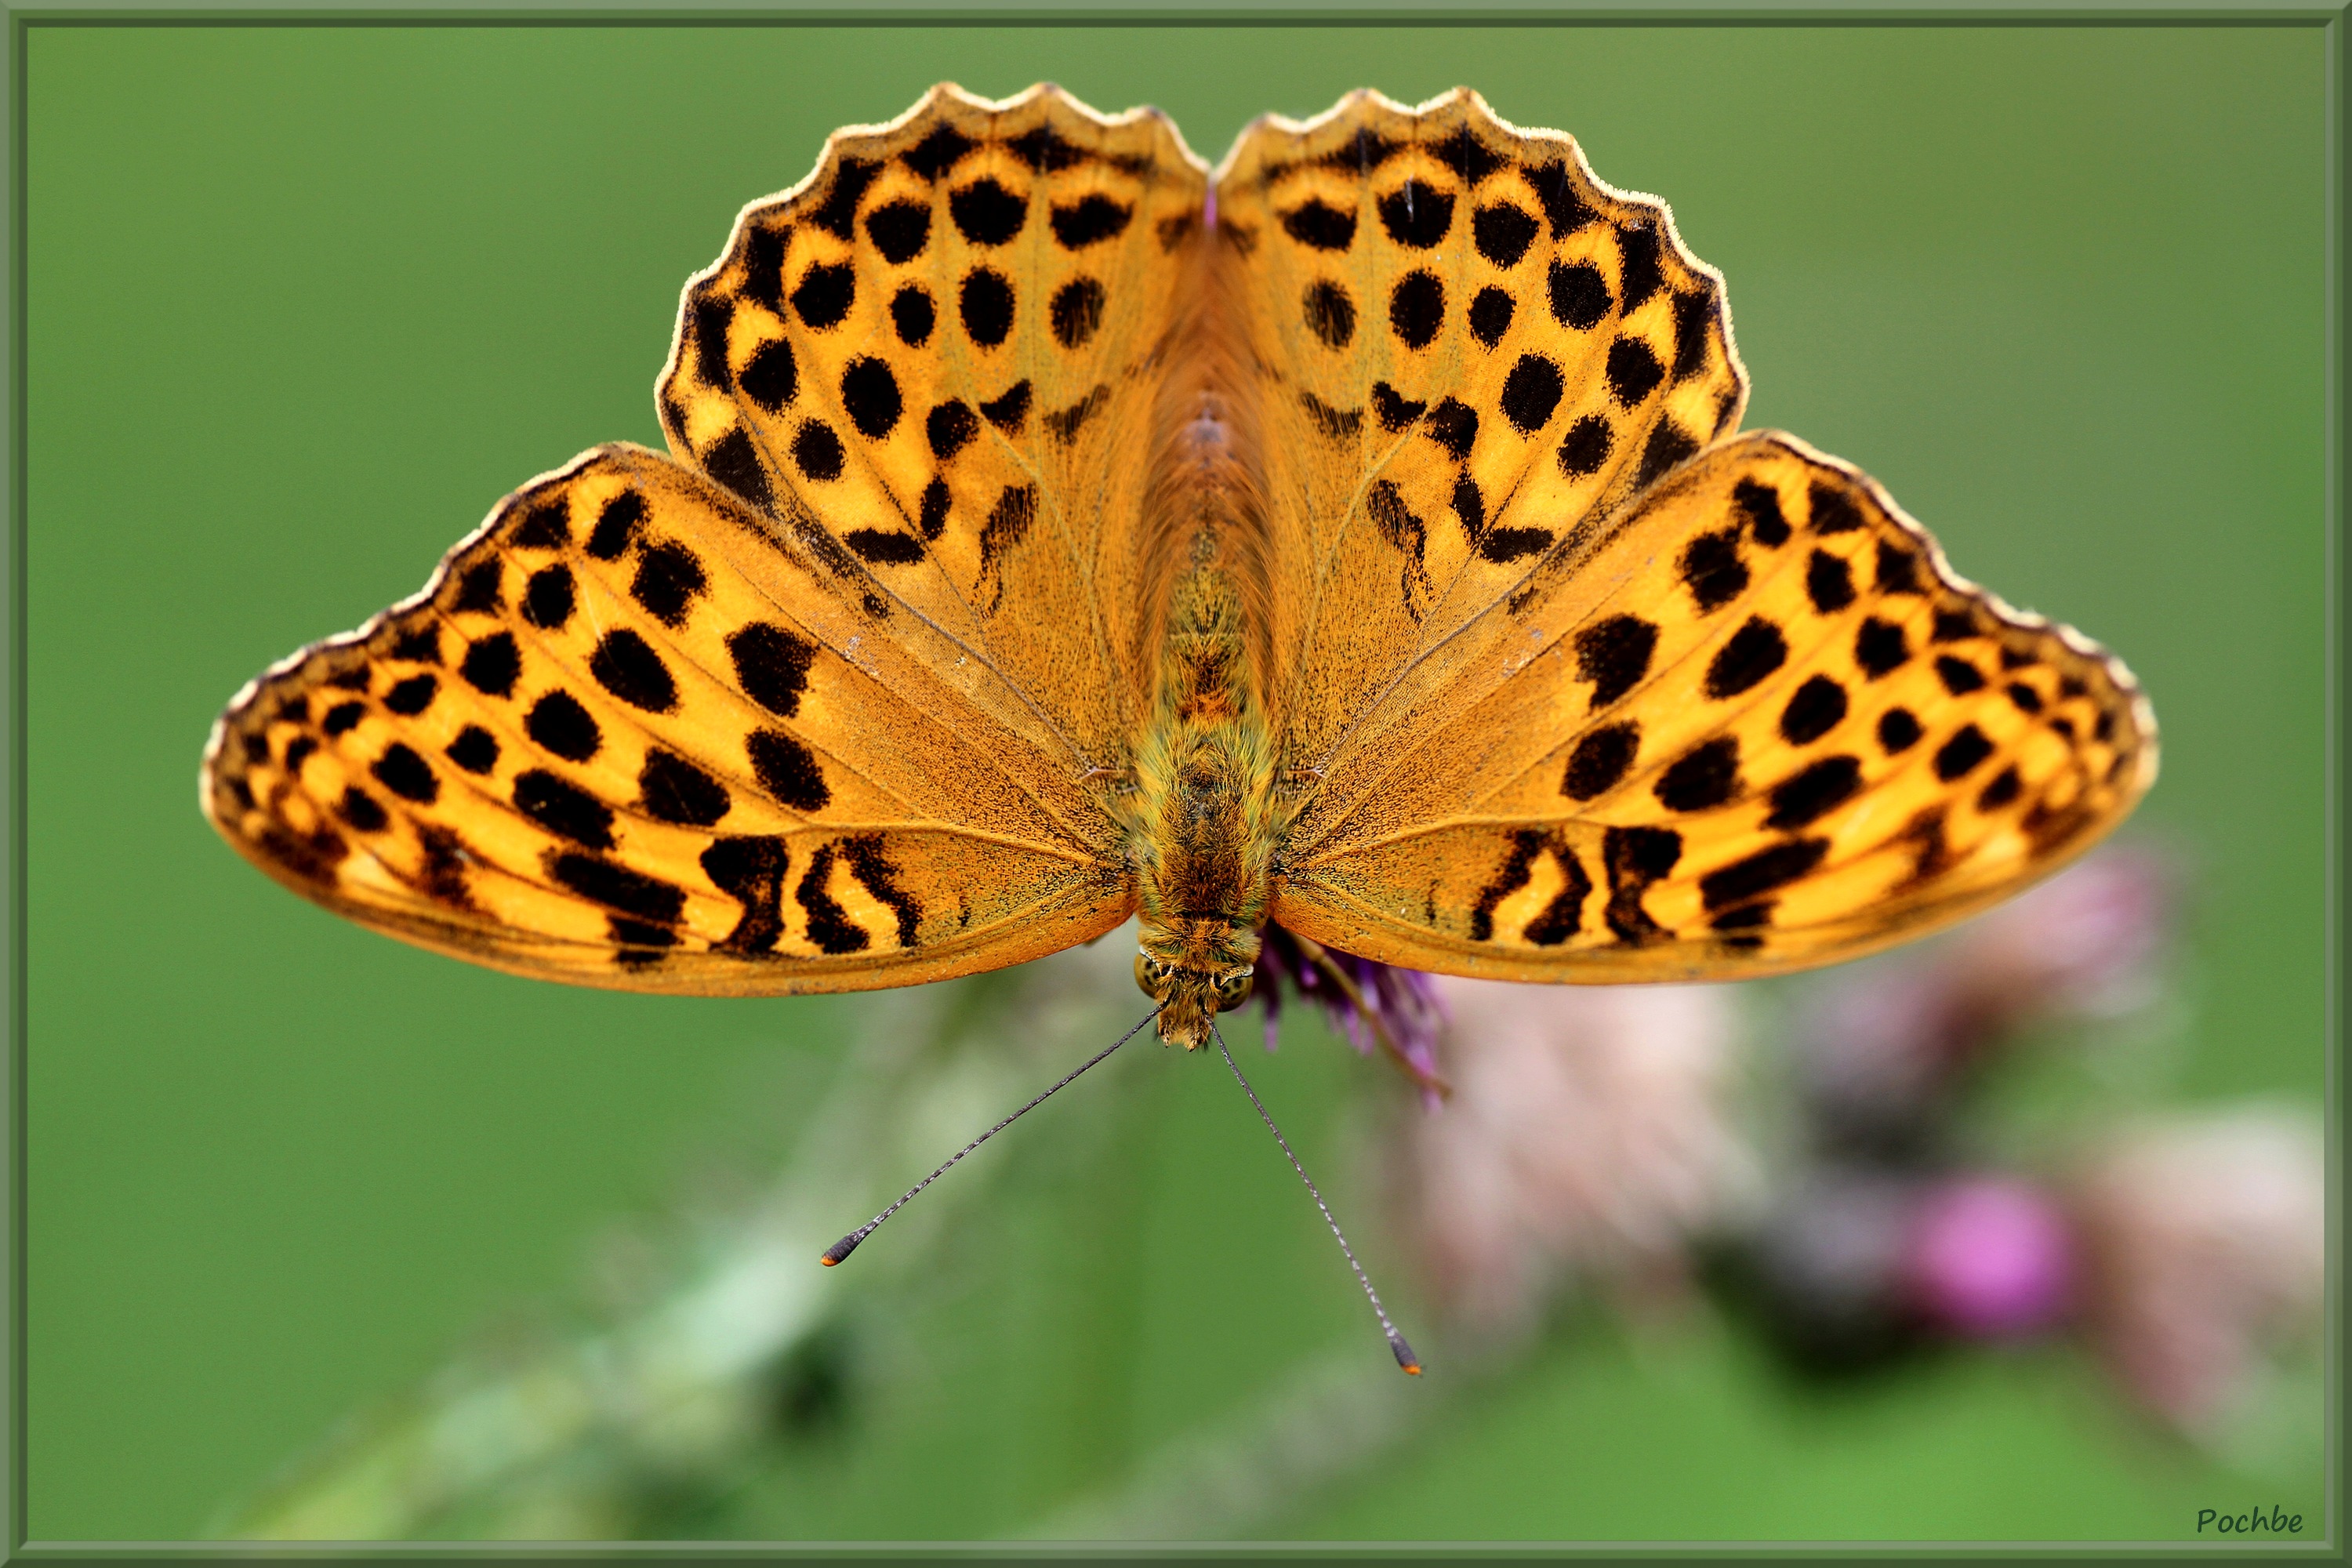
x=1752, y=725
x=635, y=735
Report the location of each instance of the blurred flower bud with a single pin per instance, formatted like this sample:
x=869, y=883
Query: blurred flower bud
x=2206, y=1242
x=1988, y=1258
x=1586, y=1135
x=1883, y=1050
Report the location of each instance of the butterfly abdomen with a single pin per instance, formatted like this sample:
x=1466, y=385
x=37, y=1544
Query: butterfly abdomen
x=1204, y=829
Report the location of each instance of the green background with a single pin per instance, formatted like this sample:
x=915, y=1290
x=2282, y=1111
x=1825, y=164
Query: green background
x=303, y=301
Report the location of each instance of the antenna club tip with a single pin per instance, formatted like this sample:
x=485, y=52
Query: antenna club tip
x=842, y=1248
x=1404, y=1356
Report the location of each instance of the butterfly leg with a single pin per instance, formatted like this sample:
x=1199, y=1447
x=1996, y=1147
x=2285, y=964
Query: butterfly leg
x=1316, y=955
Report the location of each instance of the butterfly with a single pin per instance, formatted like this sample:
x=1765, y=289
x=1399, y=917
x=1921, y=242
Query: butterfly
x=1357, y=539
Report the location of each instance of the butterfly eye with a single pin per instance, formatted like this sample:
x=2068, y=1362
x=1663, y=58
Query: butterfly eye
x=1232, y=990
x=1151, y=975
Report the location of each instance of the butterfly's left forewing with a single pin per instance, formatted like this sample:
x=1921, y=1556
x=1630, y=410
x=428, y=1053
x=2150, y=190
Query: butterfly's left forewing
x=1752, y=725
x=633, y=734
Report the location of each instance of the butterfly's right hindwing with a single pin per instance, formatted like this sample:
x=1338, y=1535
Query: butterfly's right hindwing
x=635, y=735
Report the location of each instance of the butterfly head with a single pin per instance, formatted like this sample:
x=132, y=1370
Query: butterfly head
x=1195, y=969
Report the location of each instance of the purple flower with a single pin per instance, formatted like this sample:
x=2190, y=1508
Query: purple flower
x=1990, y=1258
x=1371, y=1004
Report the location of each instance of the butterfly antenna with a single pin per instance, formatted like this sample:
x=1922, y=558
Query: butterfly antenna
x=1403, y=1351
x=848, y=1244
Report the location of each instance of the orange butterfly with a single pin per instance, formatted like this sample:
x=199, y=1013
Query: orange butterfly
x=1356, y=540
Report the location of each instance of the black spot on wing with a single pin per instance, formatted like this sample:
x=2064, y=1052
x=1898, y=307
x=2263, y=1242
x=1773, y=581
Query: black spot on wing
x=617, y=526
x=1959, y=676
x=491, y=664
x=1530, y=393
x=1585, y=446
x=878, y=877
x=617, y=886
x=1394, y=411
x=481, y=587
x=1006, y=525
x=626, y=665
x=1635, y=858
x=1046, y=150
x=1564, y=205
x=1761, y=505
x=987, y=213
x=1668, y=445
x=412, y=696
x=1490, y=316
x=770, y=379
x=558, y=723
x=900, y=230
x=949, y=427
x=1416, y=214
x=1320, y=225
x=1829, y=583
x=1713, y=570
x=1469, y=158
x=669, y=579
x=883, y=547
x=1502, y=233
x=363, y=810
x=912, y=315
x=1076, y=311
x=1961, y=754
x=750, y=870
x=734, y=463
x=1417, y=309
x=1705, y=776
x=1898, y=730
x=938, y=153
x=1879, y=647
x=1092, y=219
x=771, y=665
x=1614, y=655
x=931, y=519
x=1692, y=314
x=824, y=295
x=1634, y=371
x=2000, y=792
x=818, y=452
x=786, y=768
x=549, y=597
x=1580, y=295
x=1814, y=709
x=671, y=789
x=475, y=750
x=1832, y=510
x=1600, y=761
x=564, y=808
x=1330, y=313
x=1062, y=424
x=1813, y=791
x=1641, y=275
x=421, y=644
x=345, y=717
x=711, y=314
x=1504, y=545
x=1750, y=654
x=1761, y=872
x=1454, y=424
x=763, y=266
x=1009, y=410
x=869, y=395
x=838, y=216
x=1898, y=569
x=1339, y=424
x=985, y=303
x=829, y=925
